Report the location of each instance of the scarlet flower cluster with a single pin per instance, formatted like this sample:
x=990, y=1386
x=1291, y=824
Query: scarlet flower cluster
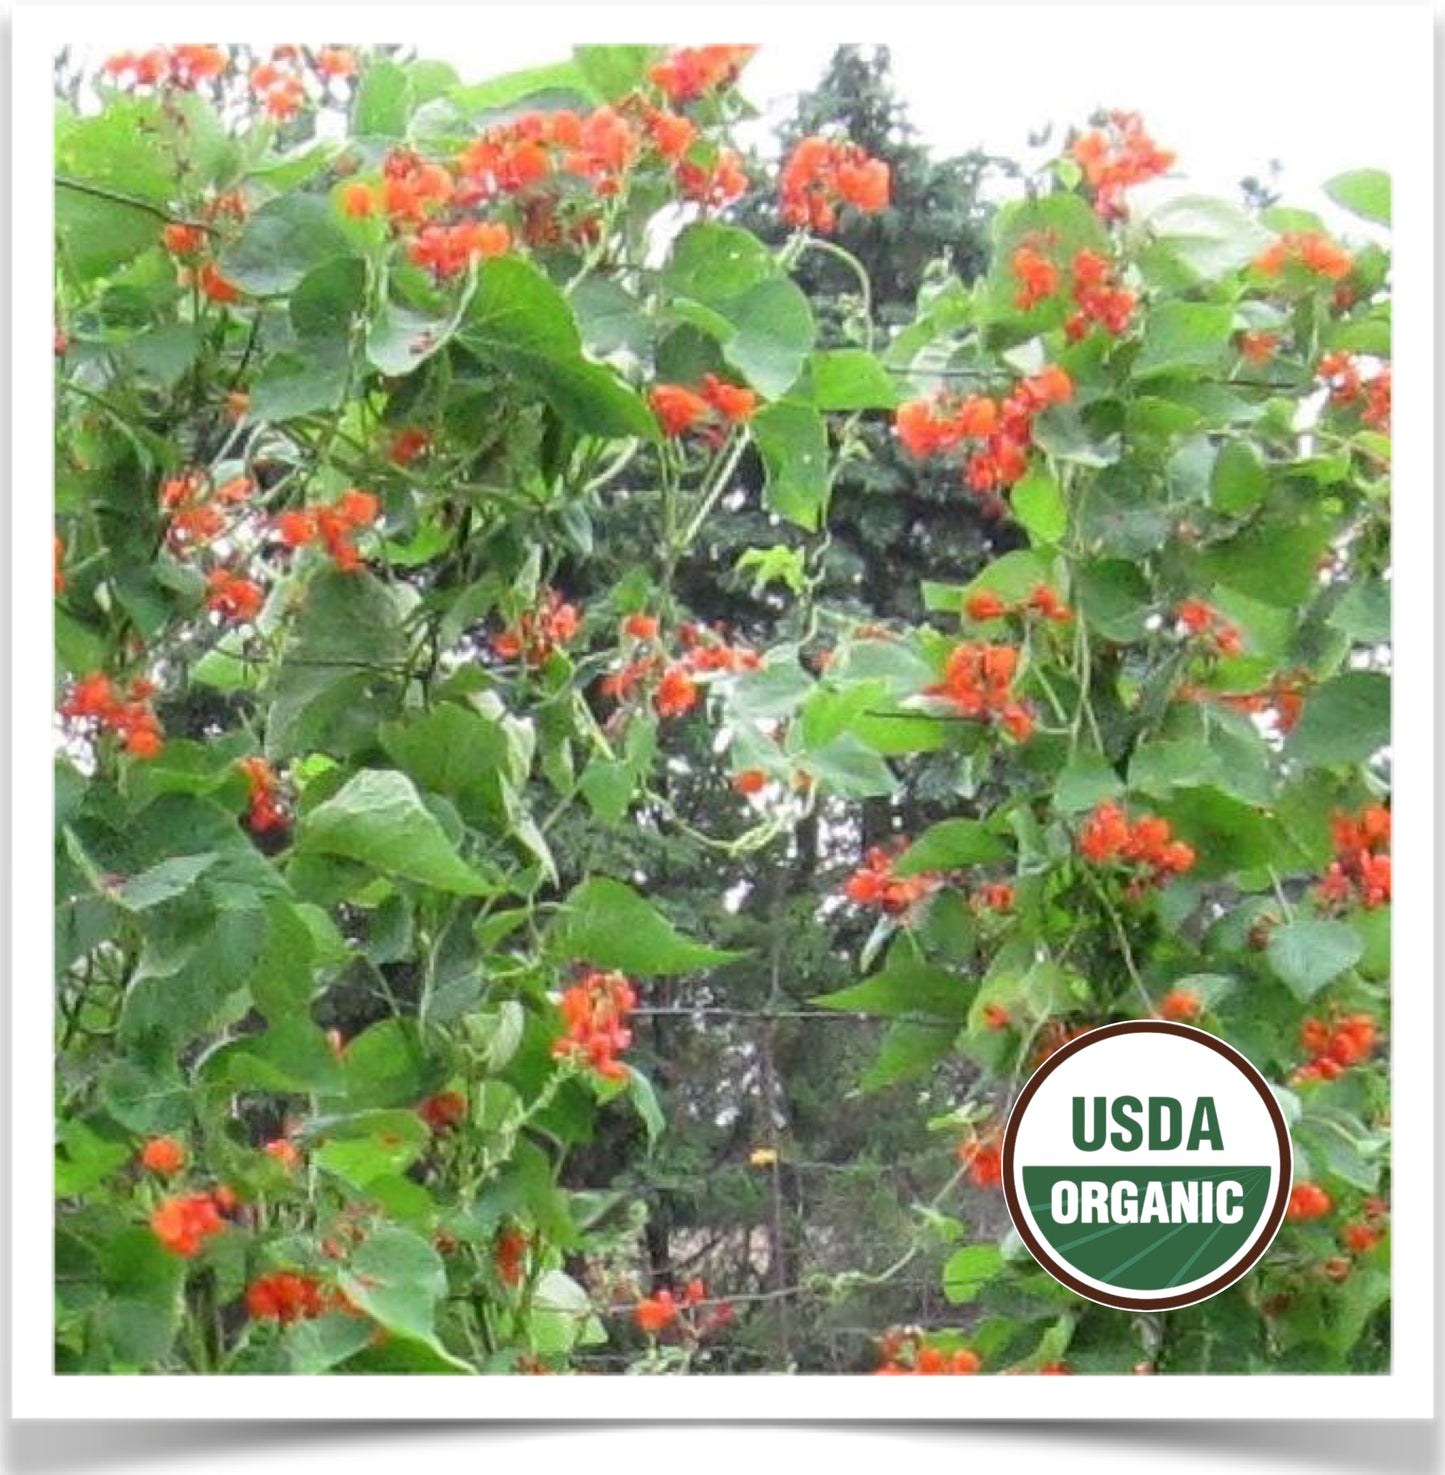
x=1181, y=1005
x=197, y=510
x=95, y=699
x=692, y=72
x=233, y=597
x=1257, y=347
x=750, y=781
x=181, y=67
x=1307, y=1201
x=1109, y=836
x=266, y=811
x=408, y=445
x=1284, y=696
x=443, y=1111
x=535, y=634
x=1308, y=250
x=509, y=1255
x=183, y=1224
x=983, y=1157
x=412, y=189
x=930, y=427
x=282, y=1150
x=657, y=1312
x=594, y=1017
x=1337, y=1046
x=521, y=155
x=677, y=692
x=1043, y=601
x=874, y=884
x=978, y=681
x=163, y=1155
x=285, y=1296
x=1098, y=298
x=1364, y=1234
x=1360, y=870
x=823, y=174
x=713, y=184
x=1116, y=158
x=448, y=250
x=716, y=402
x=280, y=82
x=903, y=1352
x=1195, y=618
x=993, y=896
x=334, y=525
x=1342, y=374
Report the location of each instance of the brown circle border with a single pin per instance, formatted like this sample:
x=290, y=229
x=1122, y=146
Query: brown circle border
x=1272, y=1222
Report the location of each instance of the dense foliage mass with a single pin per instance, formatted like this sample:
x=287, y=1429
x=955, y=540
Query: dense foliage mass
x=560, y=627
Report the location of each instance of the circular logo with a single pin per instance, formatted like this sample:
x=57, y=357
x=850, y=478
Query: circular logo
x=1146, y=1165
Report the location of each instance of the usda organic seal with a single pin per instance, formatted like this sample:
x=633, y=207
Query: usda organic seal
x=1147, y=1165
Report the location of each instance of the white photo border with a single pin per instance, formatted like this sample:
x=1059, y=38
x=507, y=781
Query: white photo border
x=1110, y=40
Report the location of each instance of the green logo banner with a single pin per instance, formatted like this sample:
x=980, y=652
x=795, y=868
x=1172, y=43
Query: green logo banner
x=1143, y=1228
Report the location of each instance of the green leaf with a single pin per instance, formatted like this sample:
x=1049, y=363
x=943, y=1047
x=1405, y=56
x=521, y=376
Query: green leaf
x=1084, y=782
x=518, y=320
x=905, y=988
x=378, y=818
x=383, y=101
x=606, y=923
x=908, y=1050
x=163, y=882
x=340, y=674
x=1366, y=192
x=968, y=1270
x=1364, y=612
x=1039, y=507
x=515, y=87
x=1308, y=955
x=950, y=845
x=1114, y=598
x=1346, y=720
x=850, y=379
x=1180, y=336
x=1209, y=237
x=614, y=71
x=772, y=333
x=284, y=240
x=1238, y=482
x=793, y=442
x=397, y=1278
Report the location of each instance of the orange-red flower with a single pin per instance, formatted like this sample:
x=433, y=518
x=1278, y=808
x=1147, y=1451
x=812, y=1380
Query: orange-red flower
x=233, y=597
x=1307, y=1201
x=183, y=1224
x=594, y=1019
x=1109, y=837
x=874, y=884
x=677, y=408
x=692, y=72
x=443, y=1111
x=96, y=701
x=1181, y=1004
x=448, y=250
x=822, y=174
x=286, y=1297
x=983, y=1157
x=1258, y=347
x=535, y=634
x=163, y=1155
x=1117, y=157
x=509, y=1255
x=677, y=693
x=1308, y=251
x=1361, y=869
x=283, y=1151
x=978, y=682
